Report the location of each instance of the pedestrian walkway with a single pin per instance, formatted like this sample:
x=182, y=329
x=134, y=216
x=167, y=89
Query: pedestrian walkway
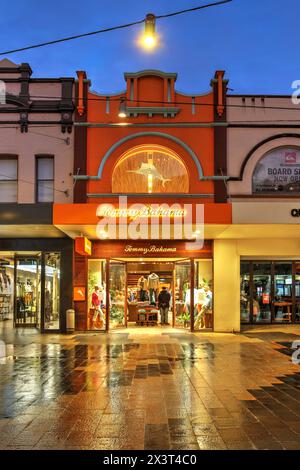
x=150, y=388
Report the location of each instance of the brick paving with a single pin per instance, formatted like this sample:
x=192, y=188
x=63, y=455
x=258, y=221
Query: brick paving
x=149, y=389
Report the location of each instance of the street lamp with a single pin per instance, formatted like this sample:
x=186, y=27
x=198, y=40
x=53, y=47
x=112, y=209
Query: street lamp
x=122, y=108
x=149, y=38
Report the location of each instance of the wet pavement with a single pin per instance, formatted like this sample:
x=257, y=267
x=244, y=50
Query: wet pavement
x=150, y=388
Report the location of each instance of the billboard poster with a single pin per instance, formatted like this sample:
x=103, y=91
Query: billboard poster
x=278, y=172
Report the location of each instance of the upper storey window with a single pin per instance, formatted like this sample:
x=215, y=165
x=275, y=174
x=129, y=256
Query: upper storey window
x=278, y=172
x=8, y=179
x=150, y=170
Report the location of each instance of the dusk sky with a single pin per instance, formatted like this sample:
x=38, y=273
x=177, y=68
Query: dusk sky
x=255, y=41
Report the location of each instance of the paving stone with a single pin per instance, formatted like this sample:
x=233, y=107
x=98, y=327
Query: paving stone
x=150, y=388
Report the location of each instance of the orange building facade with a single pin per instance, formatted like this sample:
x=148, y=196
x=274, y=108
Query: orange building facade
x=156, y=147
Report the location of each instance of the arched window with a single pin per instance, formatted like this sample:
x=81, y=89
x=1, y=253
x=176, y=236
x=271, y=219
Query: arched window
x=278, y=171
x=150, y=169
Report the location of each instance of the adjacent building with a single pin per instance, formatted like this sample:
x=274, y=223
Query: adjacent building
x=36, y=170
x=264, y=190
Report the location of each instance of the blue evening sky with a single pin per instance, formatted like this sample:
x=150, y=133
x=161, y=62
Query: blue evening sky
x=255, y=41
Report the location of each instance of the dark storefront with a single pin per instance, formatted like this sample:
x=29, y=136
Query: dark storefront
x=270, y=291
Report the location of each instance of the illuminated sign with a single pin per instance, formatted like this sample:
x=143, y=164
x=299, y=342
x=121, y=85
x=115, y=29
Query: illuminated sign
x=79, y=294
x=145, y=250
x=83, y=246
x=149, y=210
x=278, y=172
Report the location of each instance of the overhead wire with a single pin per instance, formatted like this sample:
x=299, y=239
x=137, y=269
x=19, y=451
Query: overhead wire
x=112, y=28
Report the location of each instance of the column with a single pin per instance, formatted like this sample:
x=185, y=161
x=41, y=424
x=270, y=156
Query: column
x=226, y=286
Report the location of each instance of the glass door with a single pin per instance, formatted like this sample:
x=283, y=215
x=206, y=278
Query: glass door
x=51, y=310
x=203, y=300
x=283, y=292
x=96, y=295
x=27, y=308
x=182, y=304
x=245, y=291
x=117, y=294
x=297, y=291
x=262, y=292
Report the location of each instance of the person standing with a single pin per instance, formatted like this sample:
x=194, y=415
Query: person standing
x=164, y=298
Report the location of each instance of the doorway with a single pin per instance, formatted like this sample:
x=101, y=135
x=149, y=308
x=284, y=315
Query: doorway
x=30, y=290
x=270, y=291
x=124, y=293
x=27, y=286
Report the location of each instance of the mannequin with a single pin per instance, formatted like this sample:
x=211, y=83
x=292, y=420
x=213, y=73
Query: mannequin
x=142, y=286
x=98, y=303
x=153, y=285
x=199, y=302
x=205, y=305
x=187, y=300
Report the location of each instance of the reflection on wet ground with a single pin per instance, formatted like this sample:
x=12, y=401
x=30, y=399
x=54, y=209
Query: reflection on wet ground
x=149, y=388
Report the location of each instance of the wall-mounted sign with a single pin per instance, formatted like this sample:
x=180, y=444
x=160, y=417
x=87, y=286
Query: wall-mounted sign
x=278, y=172
x=83, y=246
x=149, y=210
x=79, y=294
x=154, y=249
x=146, y=250
x=295, y=212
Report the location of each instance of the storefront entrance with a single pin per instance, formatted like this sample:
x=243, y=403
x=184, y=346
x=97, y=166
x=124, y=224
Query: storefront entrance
x=270, y=291
x=30, y=290
x=125, y=292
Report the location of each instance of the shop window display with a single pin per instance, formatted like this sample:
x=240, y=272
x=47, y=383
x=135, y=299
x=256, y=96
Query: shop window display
x=203, y=297
x=149, y=293
x=96, y=295
x=182, y=317
x=52, y=291
x=283, y=302
x=6, y=289
x=297, y=292
x=245, y=292
x=262, y=292
x=270, y=291
x=117, y=296
x=28, y=290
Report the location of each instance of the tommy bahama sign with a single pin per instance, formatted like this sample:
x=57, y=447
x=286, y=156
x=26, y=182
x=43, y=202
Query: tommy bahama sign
x=151, y=249
x=150, y=221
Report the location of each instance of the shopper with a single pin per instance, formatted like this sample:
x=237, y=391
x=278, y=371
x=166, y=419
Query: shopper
x=164, y=298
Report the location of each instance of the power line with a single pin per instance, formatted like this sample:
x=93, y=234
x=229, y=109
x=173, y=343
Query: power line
x=10, y=178
x=183, y=103
x=188, y=10
x=113, y=28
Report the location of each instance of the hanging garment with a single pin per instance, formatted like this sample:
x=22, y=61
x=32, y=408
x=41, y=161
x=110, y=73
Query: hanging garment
x=153, y=281
x=143, y=295
x=152, y=295
x=142, y=283
x=187, y=300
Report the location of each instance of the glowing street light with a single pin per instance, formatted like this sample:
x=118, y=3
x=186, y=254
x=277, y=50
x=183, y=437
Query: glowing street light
x=122, y=108
x=149, y=40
